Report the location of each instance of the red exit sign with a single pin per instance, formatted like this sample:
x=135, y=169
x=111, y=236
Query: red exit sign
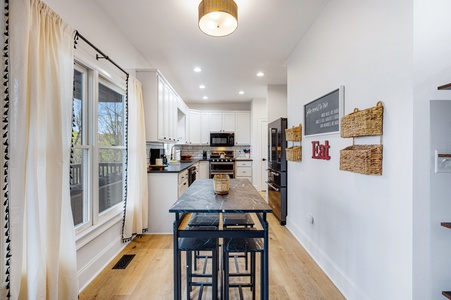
x=320, y=151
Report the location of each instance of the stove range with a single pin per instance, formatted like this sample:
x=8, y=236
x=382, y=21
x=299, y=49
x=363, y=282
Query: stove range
x=224, y=165
x=222, y=159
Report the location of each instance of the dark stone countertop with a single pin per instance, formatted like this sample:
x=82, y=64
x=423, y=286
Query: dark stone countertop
x=175, y=168
x=200, y=197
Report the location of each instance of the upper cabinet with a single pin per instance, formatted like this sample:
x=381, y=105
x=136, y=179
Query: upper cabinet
x=161, y=106
x=222, y=122
x=194, y=128
x=202, y=123
x=243, y=128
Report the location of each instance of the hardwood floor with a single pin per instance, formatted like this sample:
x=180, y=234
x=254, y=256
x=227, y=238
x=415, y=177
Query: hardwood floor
x=293, y=273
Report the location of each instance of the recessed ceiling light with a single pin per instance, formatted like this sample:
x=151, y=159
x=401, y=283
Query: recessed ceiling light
x=241, y=92
x=205, y=97
x=197, y=69
x=201, y=86
x=260, y=74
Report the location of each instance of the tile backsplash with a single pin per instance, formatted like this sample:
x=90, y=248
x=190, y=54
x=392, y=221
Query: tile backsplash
x=196, y=151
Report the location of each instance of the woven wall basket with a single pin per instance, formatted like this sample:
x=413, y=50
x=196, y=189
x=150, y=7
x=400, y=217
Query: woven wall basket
x=294, y=153
x=367, y=122
x=363, y=159
x=294, y=133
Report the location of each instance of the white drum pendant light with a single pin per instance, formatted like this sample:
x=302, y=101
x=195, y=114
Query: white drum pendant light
x=218, y=17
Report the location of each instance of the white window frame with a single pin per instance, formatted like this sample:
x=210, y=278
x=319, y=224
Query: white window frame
x=98, y=71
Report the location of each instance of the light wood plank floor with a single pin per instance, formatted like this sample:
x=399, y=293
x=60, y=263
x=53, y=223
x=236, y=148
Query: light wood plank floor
x=293, y=273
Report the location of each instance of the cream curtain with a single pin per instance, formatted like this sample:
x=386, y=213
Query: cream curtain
x=136, y=211
x=43, y=251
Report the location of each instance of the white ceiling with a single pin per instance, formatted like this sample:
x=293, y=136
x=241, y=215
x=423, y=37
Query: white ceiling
x=167, y=35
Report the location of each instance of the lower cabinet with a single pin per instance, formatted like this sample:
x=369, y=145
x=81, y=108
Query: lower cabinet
x=163, y=192
x=204, y=169
x=183, y=182
x=243, y=170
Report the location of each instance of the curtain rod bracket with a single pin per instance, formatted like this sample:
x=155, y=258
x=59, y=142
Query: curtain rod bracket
x=101, y=57
x=78, y=35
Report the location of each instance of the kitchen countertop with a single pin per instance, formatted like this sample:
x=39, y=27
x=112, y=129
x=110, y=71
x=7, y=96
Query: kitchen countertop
x=175, y=168
x=200, y=197
x=242, y=158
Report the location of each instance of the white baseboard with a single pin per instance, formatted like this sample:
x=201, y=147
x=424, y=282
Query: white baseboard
x=349, y=290
x=96, y=265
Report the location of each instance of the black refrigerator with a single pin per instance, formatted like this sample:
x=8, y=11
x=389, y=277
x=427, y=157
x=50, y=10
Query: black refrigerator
x=277, y=169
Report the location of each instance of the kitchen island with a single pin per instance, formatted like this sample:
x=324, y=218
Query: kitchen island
x=200, y=198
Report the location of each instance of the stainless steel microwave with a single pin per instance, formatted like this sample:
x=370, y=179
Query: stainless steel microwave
x=222, y=139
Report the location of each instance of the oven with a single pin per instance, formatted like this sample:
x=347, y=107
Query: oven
x=222, y=167
x=222, y=163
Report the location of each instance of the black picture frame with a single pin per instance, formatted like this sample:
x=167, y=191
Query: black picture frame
x=323, y=115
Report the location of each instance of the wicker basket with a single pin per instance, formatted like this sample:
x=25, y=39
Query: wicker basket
x=363, y=159
x=367, y=122
x=221, y=184
x=294, y=153
x=294, y=133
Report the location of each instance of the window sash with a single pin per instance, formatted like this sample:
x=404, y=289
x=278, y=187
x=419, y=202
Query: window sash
x=91, y=147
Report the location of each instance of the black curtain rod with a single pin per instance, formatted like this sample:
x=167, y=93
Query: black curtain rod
x=78, y=35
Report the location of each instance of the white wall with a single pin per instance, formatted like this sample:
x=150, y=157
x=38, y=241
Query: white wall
x=258, y=112
x=362, y=233
x=431, y=202
x=96, y=249
x=276, y=102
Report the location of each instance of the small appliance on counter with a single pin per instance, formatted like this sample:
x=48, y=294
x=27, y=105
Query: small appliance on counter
x=204, y=155
x=154, y=154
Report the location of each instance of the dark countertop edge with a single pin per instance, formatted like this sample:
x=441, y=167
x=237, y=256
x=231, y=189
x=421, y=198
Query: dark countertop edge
x=174, y=168
x=222, y=211
x=243, y=159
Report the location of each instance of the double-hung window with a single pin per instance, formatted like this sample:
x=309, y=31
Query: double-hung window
x=99, y=152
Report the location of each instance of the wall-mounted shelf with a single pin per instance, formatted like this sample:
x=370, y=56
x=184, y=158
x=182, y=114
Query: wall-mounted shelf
x=445, y=87
x=447, y=294
x=446, y=224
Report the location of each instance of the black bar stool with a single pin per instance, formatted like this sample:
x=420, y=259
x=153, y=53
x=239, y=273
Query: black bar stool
x=246, y=245
x=202, y=220
x=238, y=220
x=191, y=245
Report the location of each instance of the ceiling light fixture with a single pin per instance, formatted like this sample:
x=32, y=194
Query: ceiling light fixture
x=241, y=92
x=260, y=74
x=197, y=69
x=205, y=97
x=218, y=17
x=201, y=86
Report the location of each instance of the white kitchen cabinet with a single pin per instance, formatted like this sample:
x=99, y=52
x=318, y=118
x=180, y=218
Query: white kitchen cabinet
x=160, y=106
x=194, y=127
x=205, y=128
x=204, y=170
x=228, y=122
x=243, y=128
x=163, y=192
x=243, y=169
x=222, y=122
x=183, y=182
